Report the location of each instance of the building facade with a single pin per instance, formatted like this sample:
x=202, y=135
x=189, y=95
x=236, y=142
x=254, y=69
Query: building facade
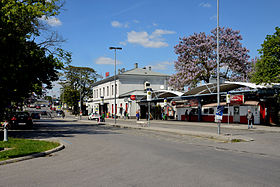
x=130, y=88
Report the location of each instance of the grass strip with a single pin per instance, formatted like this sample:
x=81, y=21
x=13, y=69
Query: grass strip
x=22, y=147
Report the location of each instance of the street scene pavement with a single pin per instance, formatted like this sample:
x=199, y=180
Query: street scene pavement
x=102, y=154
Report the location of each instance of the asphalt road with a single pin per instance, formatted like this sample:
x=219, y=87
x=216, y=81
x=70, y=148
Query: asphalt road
x=107, y=156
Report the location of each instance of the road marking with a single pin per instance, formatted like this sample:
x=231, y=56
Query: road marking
x=66, y=141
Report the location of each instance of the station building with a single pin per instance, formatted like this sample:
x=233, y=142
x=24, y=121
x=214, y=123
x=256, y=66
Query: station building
x=130, y=88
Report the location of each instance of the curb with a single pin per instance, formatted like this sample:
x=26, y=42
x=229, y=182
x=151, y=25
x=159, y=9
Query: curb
x=42, y=154
x=227, y=138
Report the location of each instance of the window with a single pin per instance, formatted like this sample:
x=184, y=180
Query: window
x=225, y=111
x=94, y=94
x=211, y=110
x=116, y=89
x=112, y=89
x=97, y=93
x=107, y=90
x=103, y=91
x=205, y=110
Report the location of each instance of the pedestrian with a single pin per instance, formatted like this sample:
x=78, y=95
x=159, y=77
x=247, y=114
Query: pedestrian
x=103, y=117
x=124, y=115
x=137, y=115
x=250, y=118
x=186, y=115
x=63, y=114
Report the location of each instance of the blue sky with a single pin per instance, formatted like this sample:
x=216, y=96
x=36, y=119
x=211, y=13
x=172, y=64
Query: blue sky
x=148, y=30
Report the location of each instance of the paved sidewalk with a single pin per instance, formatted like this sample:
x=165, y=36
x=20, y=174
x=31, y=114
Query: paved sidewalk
x=193, y=129
x=229, y=132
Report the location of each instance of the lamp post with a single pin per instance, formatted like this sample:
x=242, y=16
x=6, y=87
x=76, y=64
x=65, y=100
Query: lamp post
x=218, y=67
x=115, y=48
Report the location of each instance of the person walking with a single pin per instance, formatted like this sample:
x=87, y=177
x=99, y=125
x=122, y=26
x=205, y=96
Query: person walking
x=63, y=114
x=124, y=115
x=103, y=117
x=137, y=115
x=250, y=118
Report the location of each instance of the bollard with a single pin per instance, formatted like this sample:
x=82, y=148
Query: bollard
x=5, y=125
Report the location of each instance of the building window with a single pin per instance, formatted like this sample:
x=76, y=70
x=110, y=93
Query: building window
x=93, y=93
x=112, y=89
x=103, y=91
x=100, y=92
x=225, y=111
x=107, y=90
x=205, y=110
x=97, y=93
x=116, y=89
x=211, y=110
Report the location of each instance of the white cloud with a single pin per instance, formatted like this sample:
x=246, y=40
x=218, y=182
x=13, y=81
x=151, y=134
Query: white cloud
x=52, y=21
x=106, y=60
x=162, y=65
x=214, y=17
x=205, y=5
x=117, y=24
x=153, y=40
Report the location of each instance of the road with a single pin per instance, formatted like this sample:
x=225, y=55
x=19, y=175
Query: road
x=108, y=156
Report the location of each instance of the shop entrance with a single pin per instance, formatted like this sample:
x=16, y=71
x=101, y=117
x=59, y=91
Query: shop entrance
x=236, y=114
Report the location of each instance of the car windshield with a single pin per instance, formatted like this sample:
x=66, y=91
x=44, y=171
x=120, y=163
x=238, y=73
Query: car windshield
x=21, y=114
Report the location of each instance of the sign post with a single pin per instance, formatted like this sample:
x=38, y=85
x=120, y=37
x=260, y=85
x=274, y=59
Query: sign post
x=149, y=98
x=228, y=101
x=219, y=117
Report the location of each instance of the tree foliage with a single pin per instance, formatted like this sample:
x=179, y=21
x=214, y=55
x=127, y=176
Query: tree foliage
x=78, y=80
x=267, y=68
x=197, y=58
x=25, y=65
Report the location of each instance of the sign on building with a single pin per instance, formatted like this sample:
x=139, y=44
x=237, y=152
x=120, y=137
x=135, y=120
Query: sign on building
x=149, y=94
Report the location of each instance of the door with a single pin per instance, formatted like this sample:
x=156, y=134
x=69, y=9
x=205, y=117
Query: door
x=236, y=114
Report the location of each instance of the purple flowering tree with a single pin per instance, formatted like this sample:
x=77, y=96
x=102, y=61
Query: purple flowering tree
x=197, y=58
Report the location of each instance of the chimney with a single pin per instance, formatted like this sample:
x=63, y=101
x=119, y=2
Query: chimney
x=150, y=68
x=136, y=65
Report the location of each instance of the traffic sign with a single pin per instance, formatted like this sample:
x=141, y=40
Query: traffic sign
x=219, y=113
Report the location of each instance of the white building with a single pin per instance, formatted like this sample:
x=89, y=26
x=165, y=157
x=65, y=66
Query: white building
x=128, y=83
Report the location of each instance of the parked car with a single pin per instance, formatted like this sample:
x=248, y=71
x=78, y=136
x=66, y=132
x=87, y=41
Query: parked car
x=94, y=116
x=32, y=106
x=44, y=113
x=38, y=107
x=35, y=115
x=20, y=119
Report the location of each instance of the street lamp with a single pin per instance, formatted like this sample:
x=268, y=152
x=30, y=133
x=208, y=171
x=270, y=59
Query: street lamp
x=115, y=48
x=218, y=67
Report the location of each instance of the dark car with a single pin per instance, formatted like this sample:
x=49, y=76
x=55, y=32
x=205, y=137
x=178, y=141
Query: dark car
x=18, y=119
x=35, y=115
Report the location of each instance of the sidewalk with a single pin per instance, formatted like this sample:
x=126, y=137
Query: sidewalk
x=192, y=129
x=229, y=132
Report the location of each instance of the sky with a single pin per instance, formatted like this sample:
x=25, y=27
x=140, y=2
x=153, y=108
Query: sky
x=148, y=30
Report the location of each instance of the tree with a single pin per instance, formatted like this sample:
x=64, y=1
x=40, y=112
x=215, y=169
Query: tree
x=267, y=68
x=79, y=80
x=26, y=65
x=197, y=58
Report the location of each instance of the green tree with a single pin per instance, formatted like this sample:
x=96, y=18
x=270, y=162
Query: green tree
x=267, y=68
x=25, y=65
x=79, y=80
